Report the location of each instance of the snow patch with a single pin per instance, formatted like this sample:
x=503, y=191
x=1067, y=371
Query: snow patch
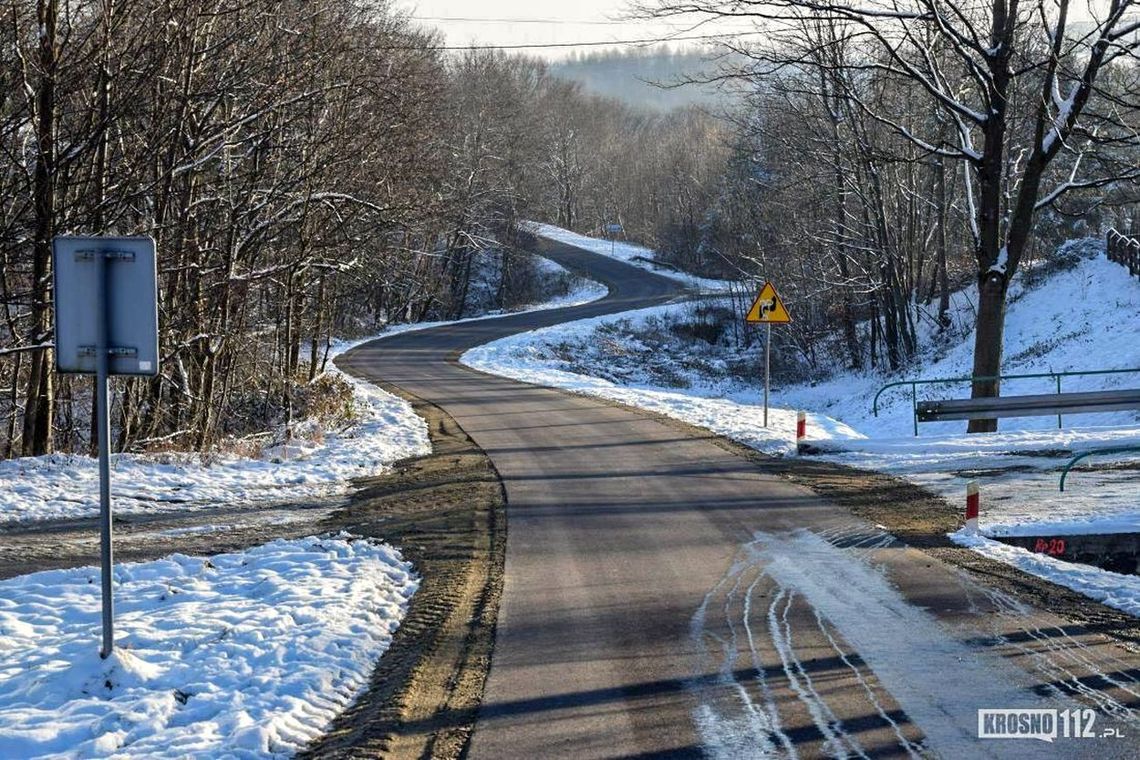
x=1112, y=589
x=67, y=486
x=247, y=655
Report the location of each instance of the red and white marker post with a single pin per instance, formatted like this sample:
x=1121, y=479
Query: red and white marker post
x=801, y=429
x=973, y=505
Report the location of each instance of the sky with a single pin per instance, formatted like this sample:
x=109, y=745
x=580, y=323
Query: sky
x=514, y=22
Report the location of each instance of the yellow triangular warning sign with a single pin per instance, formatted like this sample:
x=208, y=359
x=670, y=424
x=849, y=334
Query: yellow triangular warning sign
x=768, y=308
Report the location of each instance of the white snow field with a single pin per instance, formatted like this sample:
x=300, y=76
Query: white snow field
x=243, y=655
x=1018, y=468
x=636, y=255
x=387, y=430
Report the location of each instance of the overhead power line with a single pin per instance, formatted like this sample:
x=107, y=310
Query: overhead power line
x=590, y=43
x=474, y=20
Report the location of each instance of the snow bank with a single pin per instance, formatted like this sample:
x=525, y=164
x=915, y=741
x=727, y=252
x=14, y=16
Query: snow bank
x=66, y=486
x=1112, y=589
x=1018, y=472
x=531, y=357
x=1085, y=318
x=636, y=255
x=244, y=655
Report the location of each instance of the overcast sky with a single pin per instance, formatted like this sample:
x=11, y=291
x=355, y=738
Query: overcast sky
x=572, y=21
x=561, y=21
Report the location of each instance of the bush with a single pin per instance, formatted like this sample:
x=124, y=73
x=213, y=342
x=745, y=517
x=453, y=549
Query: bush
x=327, y=403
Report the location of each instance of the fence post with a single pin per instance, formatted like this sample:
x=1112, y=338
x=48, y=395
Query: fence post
x=1124, y=250
x=1058, y=393
x=914, y=406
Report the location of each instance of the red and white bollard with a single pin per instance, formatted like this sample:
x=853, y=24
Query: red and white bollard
x=973, y=504
x=801, y=429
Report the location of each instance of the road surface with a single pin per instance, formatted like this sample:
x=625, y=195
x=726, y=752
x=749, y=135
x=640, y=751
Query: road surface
x=665, y=597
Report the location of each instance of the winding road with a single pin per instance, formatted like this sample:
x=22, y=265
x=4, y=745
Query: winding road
x=665, y=596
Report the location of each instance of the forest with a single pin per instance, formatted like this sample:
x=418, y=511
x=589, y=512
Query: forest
x=312, y=170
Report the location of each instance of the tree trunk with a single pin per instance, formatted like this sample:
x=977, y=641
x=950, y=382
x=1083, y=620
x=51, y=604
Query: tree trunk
x=38, y=411
x=943, y=276
x=988, y=344
x=847, y=317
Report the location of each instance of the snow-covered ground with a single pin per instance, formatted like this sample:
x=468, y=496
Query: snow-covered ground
x=1018, y=468
x=243, y=655
x=67, y=486
x=636, y=255
x=386, y=430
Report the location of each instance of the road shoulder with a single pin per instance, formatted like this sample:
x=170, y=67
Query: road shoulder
x=446, y=513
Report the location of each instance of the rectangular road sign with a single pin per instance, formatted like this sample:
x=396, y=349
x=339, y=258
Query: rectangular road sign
x=106, y=323
x=113, y=278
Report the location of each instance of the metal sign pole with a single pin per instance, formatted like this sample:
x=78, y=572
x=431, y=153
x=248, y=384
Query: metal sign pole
x=105, y=297
x=767, y=369
x=103, y=420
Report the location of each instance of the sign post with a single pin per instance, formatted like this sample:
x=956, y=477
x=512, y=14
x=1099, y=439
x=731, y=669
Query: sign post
x=106, y=323
x=767, y=368
x=614, y=230
x=768, y=309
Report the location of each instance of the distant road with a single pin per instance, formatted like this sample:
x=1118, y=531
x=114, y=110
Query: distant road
x=665, y=596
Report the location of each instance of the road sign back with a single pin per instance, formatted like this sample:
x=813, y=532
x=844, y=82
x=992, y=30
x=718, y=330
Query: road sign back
x=113, y=279
x=768, y=308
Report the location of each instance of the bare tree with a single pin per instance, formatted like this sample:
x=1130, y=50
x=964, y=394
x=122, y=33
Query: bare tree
x=1037, y=102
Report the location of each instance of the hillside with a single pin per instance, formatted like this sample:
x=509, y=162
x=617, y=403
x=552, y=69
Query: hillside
x=643, y=77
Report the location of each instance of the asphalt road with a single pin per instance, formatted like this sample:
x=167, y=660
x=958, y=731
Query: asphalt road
x=664, y=596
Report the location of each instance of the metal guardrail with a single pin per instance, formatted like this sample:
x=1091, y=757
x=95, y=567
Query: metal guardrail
x=980, y=378
x=1095, y=452
x=1123, y=250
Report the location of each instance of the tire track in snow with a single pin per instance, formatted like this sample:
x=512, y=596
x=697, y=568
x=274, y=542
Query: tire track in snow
x=758, y=664
x=756, y=733
x=1059, y=656
x=905, y=646
x=872, y=629
x=911, y=749
x=825, y=720
x=753, y=727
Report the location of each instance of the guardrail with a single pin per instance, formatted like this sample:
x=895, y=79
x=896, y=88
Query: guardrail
x=978, y=379
x=1095, y=452
x=1123, y=250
